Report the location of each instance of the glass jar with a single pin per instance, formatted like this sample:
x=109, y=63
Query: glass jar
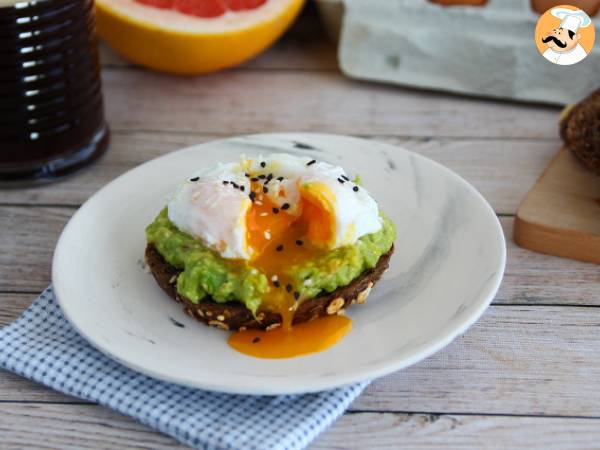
x=51, y=109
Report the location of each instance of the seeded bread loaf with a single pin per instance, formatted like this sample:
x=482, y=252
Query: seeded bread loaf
x=580, y=130
x=235, y=316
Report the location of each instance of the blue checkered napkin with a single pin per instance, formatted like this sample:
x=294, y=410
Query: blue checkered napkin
x=42, y=345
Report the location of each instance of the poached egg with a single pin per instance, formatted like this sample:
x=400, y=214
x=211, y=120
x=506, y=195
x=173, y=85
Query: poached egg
x=238, y=209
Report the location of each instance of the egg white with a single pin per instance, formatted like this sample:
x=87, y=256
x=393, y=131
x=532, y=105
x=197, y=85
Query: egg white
x=214, y=212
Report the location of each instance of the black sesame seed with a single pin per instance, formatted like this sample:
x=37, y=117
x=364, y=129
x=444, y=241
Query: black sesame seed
x=263, y=164
x=285, y=206
x=194, y=179
x=279, y=248
x=288, y=287
x=262, y=176
x=311, y=162
x=265, y=189
x=252, y=195
x=275, y=210
x=242, y=188
x=279, y=178
x=345, y=178
x=355, y=188
x=256, y=340
x=225, y=183
x=276, y=283
x=235, y=185
x=299, y=242
x=254, y=179
x=296, y=295
x=247, y=175
x=270, y=177
x=341, y=180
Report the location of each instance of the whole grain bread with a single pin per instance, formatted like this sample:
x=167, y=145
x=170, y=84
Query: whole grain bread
x=580, y=130
x=235, y=316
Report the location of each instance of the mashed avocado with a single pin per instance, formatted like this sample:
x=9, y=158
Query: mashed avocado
x=206, y=273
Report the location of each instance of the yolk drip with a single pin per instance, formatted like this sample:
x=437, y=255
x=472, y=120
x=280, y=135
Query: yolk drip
x=264, y=226
x=305, y=338
x=280, y=240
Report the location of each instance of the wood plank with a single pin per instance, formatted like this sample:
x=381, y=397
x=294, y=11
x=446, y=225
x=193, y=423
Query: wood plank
x=30, y=234
x=305, y=46
x=75, y=427
x=430, y=431
x=535, y=279
x=235, y=102
x=483, y=162
x=27, y=241
x=515, y=360
x=90, y=426
x=12, y=305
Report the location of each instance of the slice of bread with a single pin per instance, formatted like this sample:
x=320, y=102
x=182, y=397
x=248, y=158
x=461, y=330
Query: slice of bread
x=235, y=316
x=580, y=130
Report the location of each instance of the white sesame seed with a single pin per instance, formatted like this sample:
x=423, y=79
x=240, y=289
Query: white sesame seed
x=308, y=282
x=274, y=278
x=258, y=202
x=267, y=235
x=264, y=214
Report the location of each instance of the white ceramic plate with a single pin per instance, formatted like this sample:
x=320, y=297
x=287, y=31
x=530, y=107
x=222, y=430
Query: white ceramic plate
x=448, y=264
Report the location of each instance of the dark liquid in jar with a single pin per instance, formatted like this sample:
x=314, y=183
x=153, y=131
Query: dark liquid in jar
x=51, y=111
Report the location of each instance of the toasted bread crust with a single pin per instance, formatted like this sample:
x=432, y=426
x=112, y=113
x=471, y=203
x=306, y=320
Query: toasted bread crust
x=580, y=130
x=235, y=316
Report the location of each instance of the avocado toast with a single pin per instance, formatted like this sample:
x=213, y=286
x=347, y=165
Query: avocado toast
x=235, y=316
x=268, y=242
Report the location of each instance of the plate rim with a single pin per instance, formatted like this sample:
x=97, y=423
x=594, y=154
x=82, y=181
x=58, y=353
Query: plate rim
x=443, y=337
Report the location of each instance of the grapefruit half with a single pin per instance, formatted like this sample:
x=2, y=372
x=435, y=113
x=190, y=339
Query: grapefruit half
x=192, y=36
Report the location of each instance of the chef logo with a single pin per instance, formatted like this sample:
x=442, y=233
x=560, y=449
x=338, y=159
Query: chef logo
x=564, y=35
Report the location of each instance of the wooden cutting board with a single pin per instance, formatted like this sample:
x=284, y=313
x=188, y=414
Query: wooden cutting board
x=561, y=214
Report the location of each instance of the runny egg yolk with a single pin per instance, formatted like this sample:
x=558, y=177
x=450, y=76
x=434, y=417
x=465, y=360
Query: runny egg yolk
x=279, y=241
x=303, y=339
x=317, y=215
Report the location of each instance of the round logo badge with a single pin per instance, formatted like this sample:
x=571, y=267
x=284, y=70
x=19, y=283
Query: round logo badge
x=564, y=35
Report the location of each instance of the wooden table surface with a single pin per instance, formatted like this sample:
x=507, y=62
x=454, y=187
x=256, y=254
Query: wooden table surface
x=526, y=375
